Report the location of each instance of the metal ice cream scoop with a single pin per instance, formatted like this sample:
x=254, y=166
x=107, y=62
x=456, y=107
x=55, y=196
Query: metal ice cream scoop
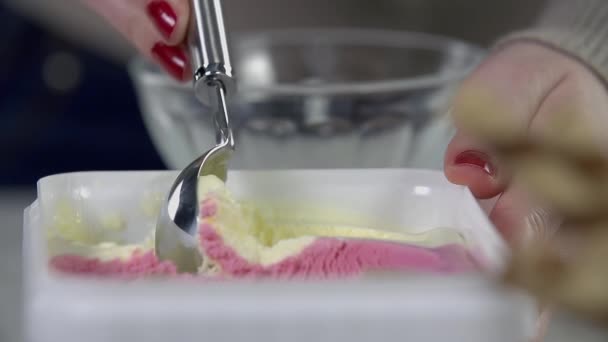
x=213, y=81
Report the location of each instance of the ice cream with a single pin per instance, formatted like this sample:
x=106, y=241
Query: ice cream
x=242, y=240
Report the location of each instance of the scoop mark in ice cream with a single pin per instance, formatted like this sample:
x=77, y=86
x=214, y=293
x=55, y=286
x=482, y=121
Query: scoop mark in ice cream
x=335, y=258
x=237, y=241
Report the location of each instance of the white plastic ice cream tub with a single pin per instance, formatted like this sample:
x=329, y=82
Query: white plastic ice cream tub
x=404, y=307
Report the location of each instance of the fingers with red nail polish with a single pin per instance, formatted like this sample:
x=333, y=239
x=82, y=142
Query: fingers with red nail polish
x=541, y=111
x=477, y=160
x=172, y=59
x=157, y=28
x=163, y=16
x=468, y=163
x=170, y=19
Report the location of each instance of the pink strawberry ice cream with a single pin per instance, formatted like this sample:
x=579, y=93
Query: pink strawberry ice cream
x=140, y=264
x=329, y=257
x=240, y=241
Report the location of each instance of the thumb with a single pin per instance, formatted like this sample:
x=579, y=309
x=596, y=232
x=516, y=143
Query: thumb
x=496, y=105
x=470, y=163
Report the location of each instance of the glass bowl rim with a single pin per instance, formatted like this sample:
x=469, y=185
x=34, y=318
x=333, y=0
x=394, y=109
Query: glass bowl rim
x=139, y=67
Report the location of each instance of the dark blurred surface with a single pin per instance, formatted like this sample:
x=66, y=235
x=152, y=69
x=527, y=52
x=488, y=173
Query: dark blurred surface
x=65, y=106
x=64, y=109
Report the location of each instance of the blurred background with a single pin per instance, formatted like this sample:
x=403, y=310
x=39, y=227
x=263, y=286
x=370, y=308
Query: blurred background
x=68, y=103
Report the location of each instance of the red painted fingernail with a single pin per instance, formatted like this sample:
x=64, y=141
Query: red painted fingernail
x=164, y=17
x=476, y=159
x=172, y=58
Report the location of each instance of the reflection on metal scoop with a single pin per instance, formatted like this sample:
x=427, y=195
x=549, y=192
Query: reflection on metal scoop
x=176, y=227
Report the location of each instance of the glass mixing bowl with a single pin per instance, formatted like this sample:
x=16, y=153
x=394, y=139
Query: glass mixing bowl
x=333, y=98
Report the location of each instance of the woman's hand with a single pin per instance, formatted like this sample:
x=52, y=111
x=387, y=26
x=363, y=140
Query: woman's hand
x=157, y=28
x=532, y=121
x=533, y=130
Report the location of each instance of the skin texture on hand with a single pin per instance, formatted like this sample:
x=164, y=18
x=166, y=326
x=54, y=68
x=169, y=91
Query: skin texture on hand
x=157, y=28
x=532, y=124
x=537, y=110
